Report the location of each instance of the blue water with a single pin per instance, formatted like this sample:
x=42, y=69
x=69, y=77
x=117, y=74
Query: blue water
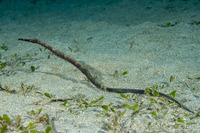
x=123, y=12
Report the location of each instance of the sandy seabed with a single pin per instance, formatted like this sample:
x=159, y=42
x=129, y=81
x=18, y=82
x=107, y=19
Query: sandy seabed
x=109, y=38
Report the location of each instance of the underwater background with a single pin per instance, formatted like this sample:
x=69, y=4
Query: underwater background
x=131, y=44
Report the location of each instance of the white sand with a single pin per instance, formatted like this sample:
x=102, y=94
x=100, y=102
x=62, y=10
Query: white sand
x=107, y=36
